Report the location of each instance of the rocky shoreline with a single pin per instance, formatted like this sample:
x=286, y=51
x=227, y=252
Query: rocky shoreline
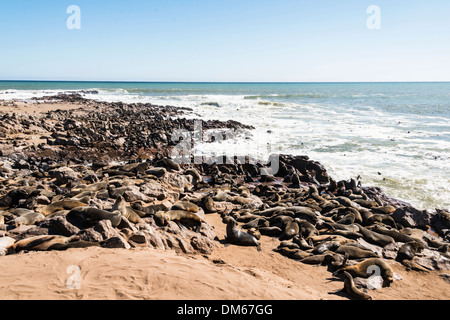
x=100, y=174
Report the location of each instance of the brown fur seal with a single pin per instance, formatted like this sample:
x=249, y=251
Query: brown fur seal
x=307, y=229
x=409, y=250
x=355, y=252
x=28, y=219
x=126, y=211
x=318, y=259
x=238, y=237
x=383, y=218
x=351, y=290
x=62, y=205
x=163, y=217
x=330, y=237
x=270, y=231
x=304, y=213
x=255, y=232
x=73, y=245
x=5, y=244
x=208, y=205
x=374, y=237
x=326, y=246
x=87, y=216
x=296, y=254
x=186, y=206
x=288, y=225
x=41, y=243
x=396, y=235
x=301, y=242
x=364, y=268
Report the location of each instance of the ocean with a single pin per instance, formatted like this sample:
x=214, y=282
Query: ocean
x=395, y=136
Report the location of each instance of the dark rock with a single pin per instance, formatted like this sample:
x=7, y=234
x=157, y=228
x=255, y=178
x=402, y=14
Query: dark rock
x=106, y=230
x=90, y=235
x=116, y=242
x=60, y=226
x=202, y=244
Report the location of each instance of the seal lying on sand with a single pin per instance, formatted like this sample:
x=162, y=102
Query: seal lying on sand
x=238, y=237
x=41, y=243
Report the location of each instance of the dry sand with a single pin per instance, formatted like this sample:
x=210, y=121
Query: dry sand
x=231, y=272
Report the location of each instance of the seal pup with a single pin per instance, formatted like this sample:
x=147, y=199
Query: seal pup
x=406, y=254
x=364, y=269
x=126, y=211
x=238, y=237
x=28, y=219
x=352, y=290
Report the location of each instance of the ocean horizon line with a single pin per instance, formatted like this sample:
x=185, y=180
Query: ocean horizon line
x=224, y=82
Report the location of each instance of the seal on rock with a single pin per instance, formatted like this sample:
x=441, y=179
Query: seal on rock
x=28, y=219
x=366, y=268
x=87, y=216
x=62, y=205
x=163, y=217
x=186, y=206
x=126, y=211
x=41, y=243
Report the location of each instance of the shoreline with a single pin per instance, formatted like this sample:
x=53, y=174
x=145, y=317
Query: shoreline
x=94, y=131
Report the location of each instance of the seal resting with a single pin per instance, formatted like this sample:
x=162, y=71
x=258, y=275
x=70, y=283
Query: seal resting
x=365, y=269
x=163, y=217
x=62, y=205
x=5, y=244
x=41, y=243
x=28, y=219
x=85, y=216
x=238, y=237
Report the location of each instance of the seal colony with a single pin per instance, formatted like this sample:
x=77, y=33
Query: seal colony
x=101, y=175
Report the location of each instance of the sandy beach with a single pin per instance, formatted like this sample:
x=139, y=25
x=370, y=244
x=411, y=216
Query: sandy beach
x=228, y=271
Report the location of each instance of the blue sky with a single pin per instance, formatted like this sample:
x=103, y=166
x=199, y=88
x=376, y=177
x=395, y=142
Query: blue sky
x=225, y=40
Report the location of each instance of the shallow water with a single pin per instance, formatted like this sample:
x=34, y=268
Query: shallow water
x=393, y=135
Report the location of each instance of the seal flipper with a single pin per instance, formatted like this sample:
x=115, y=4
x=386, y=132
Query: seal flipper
x=258, y=248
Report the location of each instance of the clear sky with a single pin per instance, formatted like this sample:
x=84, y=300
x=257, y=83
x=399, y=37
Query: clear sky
x=225, y=40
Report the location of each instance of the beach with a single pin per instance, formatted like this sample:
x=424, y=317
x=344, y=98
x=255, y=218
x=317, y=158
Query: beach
x=56, y=148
